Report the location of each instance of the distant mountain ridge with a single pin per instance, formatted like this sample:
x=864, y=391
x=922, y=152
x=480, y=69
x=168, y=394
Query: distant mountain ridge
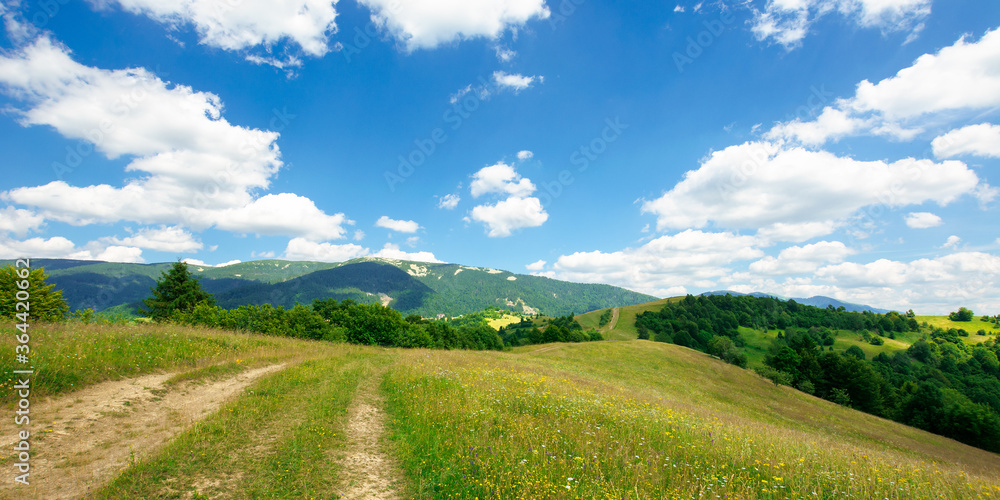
x=817, y=301
x=421, y=288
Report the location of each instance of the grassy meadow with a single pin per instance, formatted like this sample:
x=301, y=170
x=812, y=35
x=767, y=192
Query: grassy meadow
x=632, y=419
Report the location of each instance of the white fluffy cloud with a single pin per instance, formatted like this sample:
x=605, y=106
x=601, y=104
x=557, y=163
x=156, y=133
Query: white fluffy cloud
x=935, y=285
x=959, y=79
x=303, y=249
x=199, y=170
x=538, y=265
x=802, y=259
x=787, y=22
x=19, y=221
x=518, y=210
x=504, y=217
x=500, y=179
x=402, y=226
x=427, y=24
x=779, y=190
x=248, y=24
x=524, y=155
x=449, y=201
x=163, y=239
x=58, y=247
x=392, y=251
x=831, y=124
x=952, y=242
x=515, y=82
x=664, y=266
x=922, y=220
x=980, y=140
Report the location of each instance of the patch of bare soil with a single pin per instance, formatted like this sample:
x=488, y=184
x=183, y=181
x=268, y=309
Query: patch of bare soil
x=369, y=472
x=82, y=440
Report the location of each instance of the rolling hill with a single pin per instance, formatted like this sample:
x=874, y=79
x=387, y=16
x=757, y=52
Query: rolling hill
x=427, y=289
x=594, y=420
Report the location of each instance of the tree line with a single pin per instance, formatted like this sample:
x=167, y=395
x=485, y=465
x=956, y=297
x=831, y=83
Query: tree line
x=939, y=384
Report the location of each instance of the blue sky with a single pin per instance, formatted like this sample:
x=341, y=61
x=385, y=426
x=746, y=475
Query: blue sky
x=846, y=148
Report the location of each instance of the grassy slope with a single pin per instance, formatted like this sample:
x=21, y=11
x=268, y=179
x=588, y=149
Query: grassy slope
x=625, y=329
x=970, y=326
x=607, y=419
x=650, y=420
x=759, y=341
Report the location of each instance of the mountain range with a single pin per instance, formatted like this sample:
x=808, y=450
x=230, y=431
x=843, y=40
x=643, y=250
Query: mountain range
x=420, y=288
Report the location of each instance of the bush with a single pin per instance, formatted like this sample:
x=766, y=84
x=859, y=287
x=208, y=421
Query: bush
x=962, y=314
x=778, y=377
x=876, y=340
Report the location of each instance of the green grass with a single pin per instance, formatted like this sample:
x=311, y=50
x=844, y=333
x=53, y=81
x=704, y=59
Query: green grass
x=970, y=326
x=617, y=420
x=650, y=420
x=70, y=356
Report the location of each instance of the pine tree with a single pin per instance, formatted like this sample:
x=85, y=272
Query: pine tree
x=176, y=290
x=43, y=302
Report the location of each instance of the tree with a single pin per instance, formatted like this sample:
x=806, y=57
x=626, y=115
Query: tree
x=962, y=314
x=42, y=301
x=176, y=290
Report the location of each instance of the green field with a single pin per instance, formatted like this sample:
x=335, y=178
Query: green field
x=589, y=420
x=970, y=326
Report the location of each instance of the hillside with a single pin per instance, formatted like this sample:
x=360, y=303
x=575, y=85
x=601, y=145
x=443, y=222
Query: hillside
x=411, y=287
x=309, y=419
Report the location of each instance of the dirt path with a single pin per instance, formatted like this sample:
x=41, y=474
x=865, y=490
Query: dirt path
x=369, y=472
x=614, y=320
x=82, y=440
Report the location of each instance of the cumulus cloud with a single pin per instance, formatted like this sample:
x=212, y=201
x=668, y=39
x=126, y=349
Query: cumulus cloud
x=524, y=155
x=538, y=265
x=449, y=201
x=787, y=22
x=979, y=140
x=252, y=25
x=935, y=285
x=19, y=221
x=515, y=82
x=392, y=251
x=665, y=266
x=58, y=247
x=952, y=242
x=303, y=249
x=195, y=168
x=428, y=24
x=163, y=239
x=802, y=259
x=504, y=217
x=515, y=208
x=760, y=185
x=958, y=79
x=922, y=220
x=402, y=226
x=500, y=179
